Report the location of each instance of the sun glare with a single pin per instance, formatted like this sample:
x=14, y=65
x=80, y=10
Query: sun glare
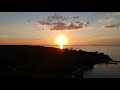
x=61, y=40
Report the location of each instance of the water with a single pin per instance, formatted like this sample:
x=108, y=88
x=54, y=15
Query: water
x=102, y=70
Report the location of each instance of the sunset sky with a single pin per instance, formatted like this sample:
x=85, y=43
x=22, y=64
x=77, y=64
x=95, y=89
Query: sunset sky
x=23, y=28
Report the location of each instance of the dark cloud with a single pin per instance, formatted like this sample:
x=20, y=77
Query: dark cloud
x=49, y=23
x=71, y=26
x=45, y=23
x=64, y=26
x=57, y=22
x=116, y=26
x=57, y=17
x=59, y=26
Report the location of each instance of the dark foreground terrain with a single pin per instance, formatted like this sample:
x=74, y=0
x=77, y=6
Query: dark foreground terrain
x=39, y=62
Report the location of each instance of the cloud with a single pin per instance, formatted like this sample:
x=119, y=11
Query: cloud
x=117, y=13
x=62, y=26
x=46, y=23
x=63, y=18
x=57, y=22
x=115, y=26
x=59, y=26
x=107, y=20
x=71, y=26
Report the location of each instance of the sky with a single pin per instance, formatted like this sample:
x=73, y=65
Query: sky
x=27, y=28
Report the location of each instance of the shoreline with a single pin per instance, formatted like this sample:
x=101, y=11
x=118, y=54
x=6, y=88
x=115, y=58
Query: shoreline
x=46, y=61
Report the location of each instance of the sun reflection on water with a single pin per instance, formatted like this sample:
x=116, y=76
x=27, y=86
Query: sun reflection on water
x=61, y=46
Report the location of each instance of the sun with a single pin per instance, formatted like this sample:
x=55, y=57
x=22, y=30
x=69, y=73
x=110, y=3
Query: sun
x=61, y=40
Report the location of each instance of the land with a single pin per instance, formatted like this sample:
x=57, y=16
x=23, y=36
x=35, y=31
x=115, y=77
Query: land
x=22, y=61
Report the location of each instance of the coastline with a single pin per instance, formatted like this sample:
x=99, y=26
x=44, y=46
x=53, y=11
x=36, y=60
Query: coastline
x=46, y=61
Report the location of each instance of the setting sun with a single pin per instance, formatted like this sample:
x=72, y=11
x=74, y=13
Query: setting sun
x=61, y=40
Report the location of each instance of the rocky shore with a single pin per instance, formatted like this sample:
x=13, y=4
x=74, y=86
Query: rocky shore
x=44, y=62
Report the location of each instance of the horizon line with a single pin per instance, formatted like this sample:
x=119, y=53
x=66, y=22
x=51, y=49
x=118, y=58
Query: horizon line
x=57, y=45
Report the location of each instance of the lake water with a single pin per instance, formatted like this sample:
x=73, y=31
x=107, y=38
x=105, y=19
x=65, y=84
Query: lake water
x=102, y=70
